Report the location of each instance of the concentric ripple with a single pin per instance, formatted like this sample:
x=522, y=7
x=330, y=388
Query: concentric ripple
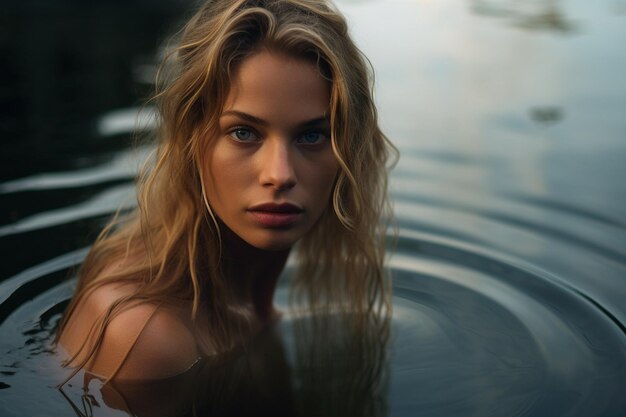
x=476, y=334
x=473, y=333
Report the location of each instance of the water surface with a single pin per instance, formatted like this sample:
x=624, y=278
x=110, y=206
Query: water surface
x=510, y=268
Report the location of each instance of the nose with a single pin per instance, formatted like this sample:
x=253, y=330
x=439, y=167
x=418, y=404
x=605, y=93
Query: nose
x=277, y=170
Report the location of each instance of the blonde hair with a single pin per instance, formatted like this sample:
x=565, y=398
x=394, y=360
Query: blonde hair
x=173, y=233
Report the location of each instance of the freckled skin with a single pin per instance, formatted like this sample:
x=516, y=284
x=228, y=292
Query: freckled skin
x=266, y=151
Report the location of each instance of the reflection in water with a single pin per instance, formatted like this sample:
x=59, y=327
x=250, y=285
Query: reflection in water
x=540, y=15
x=546, y=114
x=325, y=368
x=340, y=371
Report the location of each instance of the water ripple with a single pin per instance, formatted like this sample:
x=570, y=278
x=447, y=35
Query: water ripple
x=121, y=196
x=123, y=167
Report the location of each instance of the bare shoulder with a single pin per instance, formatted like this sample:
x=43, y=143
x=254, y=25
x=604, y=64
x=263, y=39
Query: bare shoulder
x=91, y=307
x=142, y=341
x=165, y=346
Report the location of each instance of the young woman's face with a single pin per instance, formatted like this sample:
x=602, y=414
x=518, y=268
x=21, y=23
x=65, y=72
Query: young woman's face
x=270, y=173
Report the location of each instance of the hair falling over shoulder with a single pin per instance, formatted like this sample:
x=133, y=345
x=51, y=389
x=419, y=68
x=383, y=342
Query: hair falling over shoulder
x=170, y=246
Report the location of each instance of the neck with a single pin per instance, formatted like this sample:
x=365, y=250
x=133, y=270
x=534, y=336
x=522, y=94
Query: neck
x=252, y=273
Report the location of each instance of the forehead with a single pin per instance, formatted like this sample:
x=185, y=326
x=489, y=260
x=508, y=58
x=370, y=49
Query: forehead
x=269, y=83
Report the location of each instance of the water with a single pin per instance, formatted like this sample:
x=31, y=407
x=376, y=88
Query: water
x=510, y=269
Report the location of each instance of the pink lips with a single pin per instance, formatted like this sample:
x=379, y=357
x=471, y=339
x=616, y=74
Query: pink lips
x=276, y=215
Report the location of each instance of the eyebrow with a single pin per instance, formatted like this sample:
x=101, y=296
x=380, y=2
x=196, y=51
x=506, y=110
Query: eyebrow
x=253, y=119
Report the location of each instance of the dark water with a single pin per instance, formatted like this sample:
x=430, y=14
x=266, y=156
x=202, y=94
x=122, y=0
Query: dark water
x=510, y=270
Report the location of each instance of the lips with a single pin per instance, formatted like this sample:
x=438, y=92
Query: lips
x=277, y=208
x=276, y=215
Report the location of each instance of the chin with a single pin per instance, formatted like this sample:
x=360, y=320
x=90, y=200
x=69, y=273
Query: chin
x=272, y=245
x=272, y=241
x=263, y=239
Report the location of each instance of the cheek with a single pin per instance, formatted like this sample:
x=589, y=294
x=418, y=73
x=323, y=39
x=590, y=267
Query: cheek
x=325, y=179
x=215, y=186
x=225, y=171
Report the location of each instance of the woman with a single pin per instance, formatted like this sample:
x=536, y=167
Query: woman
x=268, y=141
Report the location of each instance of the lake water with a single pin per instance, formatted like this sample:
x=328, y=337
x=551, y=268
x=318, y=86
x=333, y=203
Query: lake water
x=510, y=268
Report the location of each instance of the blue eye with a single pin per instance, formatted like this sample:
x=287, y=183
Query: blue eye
x=311, y=138
x=243, y=135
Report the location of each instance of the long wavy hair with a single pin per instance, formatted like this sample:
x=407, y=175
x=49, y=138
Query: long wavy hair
x=174, y=239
